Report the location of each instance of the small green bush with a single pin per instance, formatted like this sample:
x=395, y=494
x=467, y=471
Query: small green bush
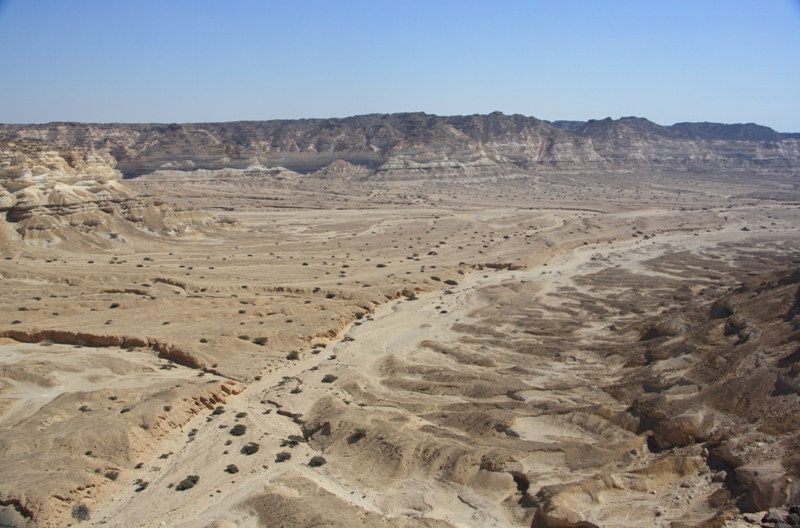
x=238, y=430
x=232, y=469
x=293, y=355
x=357, y=435
x=329, y=378
x=250, y=449
x=187, y=483
x=80, y=512
x=283, y=456
x=317, y=461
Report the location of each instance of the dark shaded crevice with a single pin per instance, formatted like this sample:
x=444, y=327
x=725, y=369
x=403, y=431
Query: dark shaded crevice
x=523, y=484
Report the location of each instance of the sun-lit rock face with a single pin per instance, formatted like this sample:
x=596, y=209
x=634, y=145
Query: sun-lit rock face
x=402, y=146
x=42, y=163
x=51, y=195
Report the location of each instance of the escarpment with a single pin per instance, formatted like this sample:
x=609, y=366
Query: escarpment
x=417, y=145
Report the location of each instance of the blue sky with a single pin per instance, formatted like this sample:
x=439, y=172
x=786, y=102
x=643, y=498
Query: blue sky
x=212, y=60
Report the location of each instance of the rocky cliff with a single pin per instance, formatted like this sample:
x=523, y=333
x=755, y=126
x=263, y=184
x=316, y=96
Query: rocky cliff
x=418, y=145
x=51, y=194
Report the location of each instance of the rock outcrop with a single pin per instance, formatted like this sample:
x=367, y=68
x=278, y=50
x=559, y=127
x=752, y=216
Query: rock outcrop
x=49, y=195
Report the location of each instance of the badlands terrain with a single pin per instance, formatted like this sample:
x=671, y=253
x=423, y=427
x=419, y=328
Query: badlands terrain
x=399, y=321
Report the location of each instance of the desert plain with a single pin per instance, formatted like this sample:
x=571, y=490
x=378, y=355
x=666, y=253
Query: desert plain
x=547, y=349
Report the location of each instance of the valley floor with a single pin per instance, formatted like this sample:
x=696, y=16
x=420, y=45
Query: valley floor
x=458, y=354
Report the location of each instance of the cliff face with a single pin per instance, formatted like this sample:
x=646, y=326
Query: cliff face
x=53, y=192
x=418, y=145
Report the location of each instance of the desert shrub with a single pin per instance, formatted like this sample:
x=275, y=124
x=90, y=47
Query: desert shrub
x=357, y=435
x=451, y=282
x=330, y=296
x=114, y=305
x=380, y=266
x=80, y=512
x=232, y=469
x=244, y=338
x=241, y=414
x=293, y=355
x=219, y=410
x=317, y=461
x=260, y=341
x=250, y=449
x=167, y=408
x=238, y=430
x=435, y=278
x=111, y=475
x=203, y=340
x=283, y=456
x=329, y=378
x=187, y=483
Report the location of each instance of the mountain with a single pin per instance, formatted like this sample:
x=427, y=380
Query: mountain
x=569, y=126
x=419, y=145
x=737, y=132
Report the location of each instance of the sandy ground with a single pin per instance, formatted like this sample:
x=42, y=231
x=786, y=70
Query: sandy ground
x=433, y=414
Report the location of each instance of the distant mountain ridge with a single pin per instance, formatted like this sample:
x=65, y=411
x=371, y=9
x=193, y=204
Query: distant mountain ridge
x=704, y=130
x=419, y=145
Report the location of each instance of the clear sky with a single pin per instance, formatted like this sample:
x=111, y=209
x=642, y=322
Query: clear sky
x=730, y=61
